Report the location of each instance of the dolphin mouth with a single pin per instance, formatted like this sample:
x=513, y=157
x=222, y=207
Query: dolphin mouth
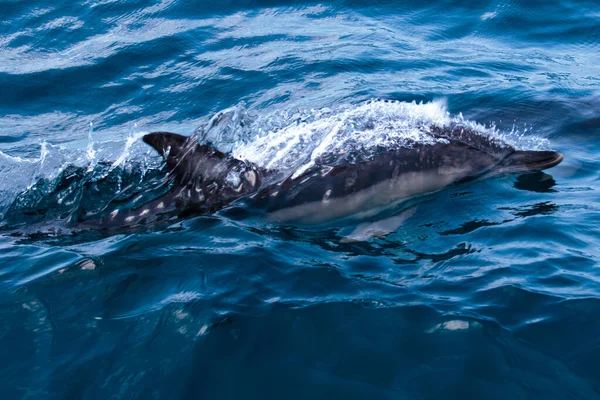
x=547, y=159
x=531, y=160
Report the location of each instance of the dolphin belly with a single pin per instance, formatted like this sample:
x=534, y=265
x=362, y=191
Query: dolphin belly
x=383, y=194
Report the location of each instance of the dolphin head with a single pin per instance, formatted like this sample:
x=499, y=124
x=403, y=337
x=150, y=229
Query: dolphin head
x=529, y=160
x=508, y=158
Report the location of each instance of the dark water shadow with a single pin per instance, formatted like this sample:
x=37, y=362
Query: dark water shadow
x=459, y=250
x=539, y=182
x=470, y=226
x=543, y=208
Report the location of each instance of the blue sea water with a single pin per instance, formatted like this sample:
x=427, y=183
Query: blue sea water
x=491, y=290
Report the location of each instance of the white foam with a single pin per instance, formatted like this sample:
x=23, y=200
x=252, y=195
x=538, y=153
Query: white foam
x=489, y=15
x=132, y=138
x=455, y=325
x=182, y=297
x=292, y=140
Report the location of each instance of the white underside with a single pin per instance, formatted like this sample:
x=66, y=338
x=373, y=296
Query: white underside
x=382, y=194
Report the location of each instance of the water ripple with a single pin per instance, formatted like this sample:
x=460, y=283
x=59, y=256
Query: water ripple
x=489, y=290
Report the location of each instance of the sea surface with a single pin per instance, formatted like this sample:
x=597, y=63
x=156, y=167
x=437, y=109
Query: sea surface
x=488, y=290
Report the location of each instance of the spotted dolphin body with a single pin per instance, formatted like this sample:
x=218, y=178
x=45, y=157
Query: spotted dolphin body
x=206, y=180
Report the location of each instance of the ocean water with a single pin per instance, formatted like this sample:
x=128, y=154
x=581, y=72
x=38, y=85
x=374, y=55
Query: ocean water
x=488, y=290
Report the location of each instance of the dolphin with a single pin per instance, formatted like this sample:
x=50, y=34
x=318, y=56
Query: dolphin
x=206, y=180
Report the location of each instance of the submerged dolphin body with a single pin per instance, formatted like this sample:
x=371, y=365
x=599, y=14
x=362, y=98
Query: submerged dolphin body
x=207, y=180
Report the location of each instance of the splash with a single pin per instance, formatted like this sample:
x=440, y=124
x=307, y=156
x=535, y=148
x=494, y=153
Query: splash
x=63, y=181
x=291, y=141
x=66, y=181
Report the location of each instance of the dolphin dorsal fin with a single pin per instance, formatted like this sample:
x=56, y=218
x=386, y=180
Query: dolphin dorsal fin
x=164, y=142
x=192, y=164
x=188, y=161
